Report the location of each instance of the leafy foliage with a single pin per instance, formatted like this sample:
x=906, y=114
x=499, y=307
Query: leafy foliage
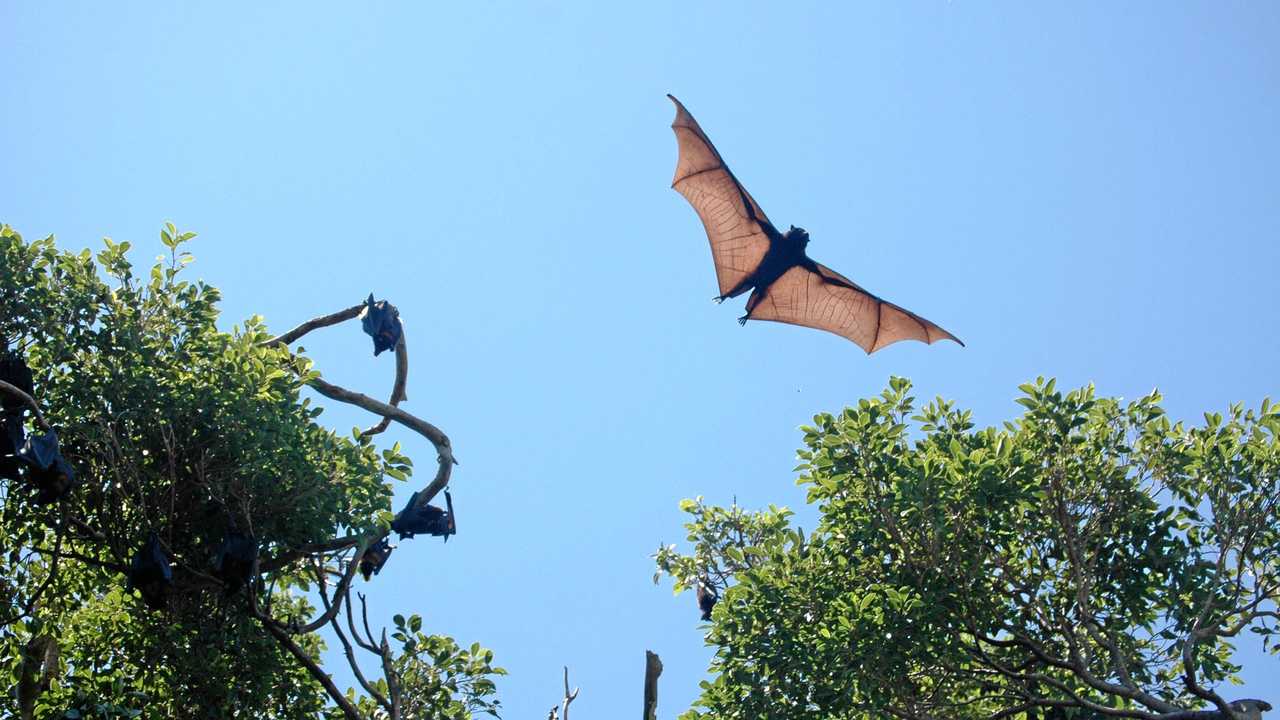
x=1090, y=555
x=185, y=430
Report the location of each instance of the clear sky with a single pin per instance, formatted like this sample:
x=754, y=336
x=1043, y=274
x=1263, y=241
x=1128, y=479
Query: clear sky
x=1084, y=190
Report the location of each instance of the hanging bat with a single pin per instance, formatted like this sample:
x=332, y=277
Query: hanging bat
x=750, y=254
x=151, y=573
x=11, y=441
x=707, y=598
x=233, y=563
x=46, y=468
x=14, y=370
x=374, y=558
x=428, y=520
x=381, y=321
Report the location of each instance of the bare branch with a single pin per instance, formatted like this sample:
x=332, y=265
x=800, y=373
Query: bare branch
x=568, y=696
x=316, y=323
x=652, y=669
x=398, y=394
x=346, y=644
x=282, y=637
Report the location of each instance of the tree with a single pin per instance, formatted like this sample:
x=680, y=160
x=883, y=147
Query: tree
x=1089, y=559
x=173, y=427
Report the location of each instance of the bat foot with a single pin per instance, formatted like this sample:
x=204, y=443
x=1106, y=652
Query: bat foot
x=743, y=320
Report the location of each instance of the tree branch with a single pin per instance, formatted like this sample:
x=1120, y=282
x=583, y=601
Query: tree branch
x=30, y=401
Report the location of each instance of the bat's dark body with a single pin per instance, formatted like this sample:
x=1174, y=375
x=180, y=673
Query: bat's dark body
x=428, y=520
x=707, y=599
x=787, y=285
x=151, y=573
x=233, y=563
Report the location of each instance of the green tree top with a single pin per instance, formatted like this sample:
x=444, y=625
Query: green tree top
x=1089, y=559
x=176, y=428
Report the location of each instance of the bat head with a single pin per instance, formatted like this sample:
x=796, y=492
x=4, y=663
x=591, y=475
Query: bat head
x=798, y=235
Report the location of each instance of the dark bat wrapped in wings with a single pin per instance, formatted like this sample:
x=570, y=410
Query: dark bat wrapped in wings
x=750, y=254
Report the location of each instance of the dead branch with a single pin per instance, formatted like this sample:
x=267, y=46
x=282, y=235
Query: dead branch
x=652, y=669
x=316, y=323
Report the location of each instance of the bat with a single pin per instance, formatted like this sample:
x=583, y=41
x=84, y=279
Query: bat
x=233, y=563
x=786, y=285
x=707, y=599
x=374, y=558
x=151, y=574
x=429, y=520
x=381, y=321
x=11, y=440
x=14, y=370
x=46, y=468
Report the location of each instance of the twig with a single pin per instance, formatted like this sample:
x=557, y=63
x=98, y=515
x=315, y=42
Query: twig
x=568, y=696
x=346, y=644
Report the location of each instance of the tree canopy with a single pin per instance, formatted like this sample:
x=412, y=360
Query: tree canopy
x=1091, y=558
x=173, y=427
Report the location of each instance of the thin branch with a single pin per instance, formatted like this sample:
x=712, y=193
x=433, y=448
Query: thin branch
x=338, y=697
x=568, y=696
x=398, y=394
x=316, y=323
x=414, y=423
x=351, y=625
x=342, y=588
x=310, y=549
x=346, y=644
x=393, y=685
x=30, y=401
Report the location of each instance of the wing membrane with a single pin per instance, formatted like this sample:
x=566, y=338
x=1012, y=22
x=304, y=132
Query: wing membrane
x=826, y=300
x=736, y=226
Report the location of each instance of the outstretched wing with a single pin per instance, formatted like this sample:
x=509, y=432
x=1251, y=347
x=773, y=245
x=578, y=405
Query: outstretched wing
x=736, y=226
x=826, y=300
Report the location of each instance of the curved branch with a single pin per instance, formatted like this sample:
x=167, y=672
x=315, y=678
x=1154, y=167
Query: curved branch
x=30, y=401
x=344, y=586
x=281, y=636
x=316, y=323
x=298, y=553
x=346, y=644
x=414, y=423
x=398, y=394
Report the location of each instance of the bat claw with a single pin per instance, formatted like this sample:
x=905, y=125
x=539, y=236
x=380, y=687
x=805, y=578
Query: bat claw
x=743, y=320
x=717, y=300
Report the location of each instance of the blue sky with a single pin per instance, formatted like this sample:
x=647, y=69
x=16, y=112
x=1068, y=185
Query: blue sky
x=1088, y=190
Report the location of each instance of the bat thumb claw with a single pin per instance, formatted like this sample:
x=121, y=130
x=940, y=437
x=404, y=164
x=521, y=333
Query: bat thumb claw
x=718, y=300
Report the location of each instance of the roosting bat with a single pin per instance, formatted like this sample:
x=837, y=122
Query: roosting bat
x=374, y=558
x=750, y=254
x=151, y=573
x=14, y=370
x=707, y=598
x=11, y=440
x=381, y=320
x=234, y=562
x=46, y=468
x=429, y=520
